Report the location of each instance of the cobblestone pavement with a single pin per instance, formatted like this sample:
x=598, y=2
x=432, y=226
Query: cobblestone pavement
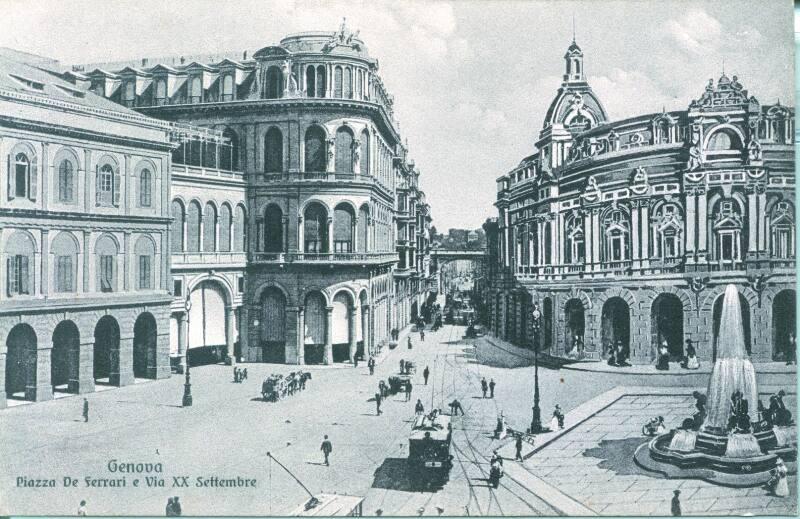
x=593, y=464
x=229, y=430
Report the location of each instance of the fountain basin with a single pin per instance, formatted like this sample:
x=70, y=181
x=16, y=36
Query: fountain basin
x=711, y=464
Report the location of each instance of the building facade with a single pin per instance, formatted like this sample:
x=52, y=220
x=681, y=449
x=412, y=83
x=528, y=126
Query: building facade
x=628, y=231
x=84, y=237
x=312, y=186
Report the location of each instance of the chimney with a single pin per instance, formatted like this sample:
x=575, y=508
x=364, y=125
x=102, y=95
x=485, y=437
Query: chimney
x=244, y=55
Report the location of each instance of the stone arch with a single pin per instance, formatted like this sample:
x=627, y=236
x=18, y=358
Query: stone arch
x=273, y=327
x=20, y=363
x=723, y=127
x=106, y=351
x=65, y=357
x=313, y=200
x=145, y=346
x=271, y=283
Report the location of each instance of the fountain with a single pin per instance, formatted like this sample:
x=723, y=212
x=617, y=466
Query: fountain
x=721, y=443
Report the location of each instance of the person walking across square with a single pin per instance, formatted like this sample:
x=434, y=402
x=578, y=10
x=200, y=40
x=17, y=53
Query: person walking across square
x=518, y=447
x=408, y=391
x=425, y=374
x=326, y=448
x=378, y=399
x=85, y=410
x=484, y=387
x=491, y=388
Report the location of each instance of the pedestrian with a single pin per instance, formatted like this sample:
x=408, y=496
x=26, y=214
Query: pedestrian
x=791, y=349
x=409, y=342
x=676, y=503
x=378, y=399
x=518, y=446
x=419, y=408
x=402, y=366
x=491, y=388
x=170, y=512
x=382, y=388
x=85, y=410
x=558, y=419
x=408, y=391
x=456, y=407
x=425, y=374
x=82, y=509
x=422, y=334
x=244, y=374
x=176, y=507
x=355, y=361
x=235, y=377
x=484, y=386
x=326, y=448
x=371, y=365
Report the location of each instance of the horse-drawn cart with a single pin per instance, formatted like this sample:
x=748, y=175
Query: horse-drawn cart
x=276, y=387
x=398, y=383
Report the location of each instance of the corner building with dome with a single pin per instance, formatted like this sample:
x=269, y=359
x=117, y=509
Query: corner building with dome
x=630, y=230
x=301, y=239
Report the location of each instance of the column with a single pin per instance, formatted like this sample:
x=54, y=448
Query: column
x=645, y=230
x=691, y=225
x=595, y=239
x=87, y=255
x=88, y=181
x=126, y=195
x=42, y=389
x=81, y=367
x=352, y=315
x=126, y=271
x=301, y=336
x=300, y=235
x=3, y=402
x=588, y=253
x=366, y=318
x=330, y=235
x=702, y=225
x=635, y=255
x=229, y=340
x=763, y=230
x=46, y=176
x=285, y=221
x=183, y=340
x=45, y=276
x=553, y=241
x=752, y=222
x=355, y=234
x=328, y=355
x=259, y=234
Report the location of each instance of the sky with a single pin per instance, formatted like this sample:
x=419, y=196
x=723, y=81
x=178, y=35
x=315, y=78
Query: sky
x=472, y=80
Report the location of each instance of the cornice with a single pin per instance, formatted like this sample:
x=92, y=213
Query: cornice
x=81, y=217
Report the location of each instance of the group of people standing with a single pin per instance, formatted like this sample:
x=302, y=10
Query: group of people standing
x=689, y=361
x=618, y=354
x=239, y=375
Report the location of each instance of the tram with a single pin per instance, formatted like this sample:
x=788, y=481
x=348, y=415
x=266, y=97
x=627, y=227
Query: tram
x=429, y=458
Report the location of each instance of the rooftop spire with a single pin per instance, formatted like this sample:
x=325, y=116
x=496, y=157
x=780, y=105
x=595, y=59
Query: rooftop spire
x=573, y=28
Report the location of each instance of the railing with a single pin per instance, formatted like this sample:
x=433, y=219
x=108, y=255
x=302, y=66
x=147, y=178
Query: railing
x=324, y=257
x=184, y=169
x=328, y=176
x=208, y=257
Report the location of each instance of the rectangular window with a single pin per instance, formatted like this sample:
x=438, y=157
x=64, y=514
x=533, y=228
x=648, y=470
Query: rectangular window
x=313, y=246
x=342, y=246
x=64, y=274
x=18, y=275
x=177, y=287
x=144, y=272
x=240, y=282
x=106, y=273
x=726, y=246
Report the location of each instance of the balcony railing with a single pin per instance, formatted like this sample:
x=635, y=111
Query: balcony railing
x=324, y=257
x=183, y=169
x=210, y=258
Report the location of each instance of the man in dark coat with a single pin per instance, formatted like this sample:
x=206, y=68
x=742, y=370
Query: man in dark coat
x=378, y=399
x=176, y=507
x=518, y=446
x=425, y=374
x=419, y=408
x=676, y=503
x=409, y=342
x=326, y=448
x=371, y=365
x=484, y=387
x=491, y=388
x=85, y=410
x=408, y=391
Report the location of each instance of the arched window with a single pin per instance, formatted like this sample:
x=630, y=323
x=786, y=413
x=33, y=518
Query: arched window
x=106, y=252
x=176, y=227
x=348, y=83
x=145, y=252
x=576, y=245
x=781, y=224
x=667, y=232
x=337, y=82
x=22, y=183
x=273, y=229
x=193, y=227
x=209, y=228
x=229, y=153
x=315, y=157
x=359, y=77
x=343, y=228
x=344, y=150
x=727, y=230
x=274, y=83
x=210, y=154
x=364, y=159
x=66, y=181
x=19, y=251
x=315, y=228
x=616, y=236
x=322, y=83
x=225, y=221
x=311, y=81
x=227, y=87
x=161, y=92
x=363, y=229
x=273, y=151
x=145, y=188
x=107, y=185
x=239, y=229
x=195, y=90
x=65, y=262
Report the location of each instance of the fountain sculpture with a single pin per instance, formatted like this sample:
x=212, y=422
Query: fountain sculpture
x=726, y=442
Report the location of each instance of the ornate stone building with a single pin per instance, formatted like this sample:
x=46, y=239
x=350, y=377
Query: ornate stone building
x=312, y=188
x=84, y=237
x=629, y=230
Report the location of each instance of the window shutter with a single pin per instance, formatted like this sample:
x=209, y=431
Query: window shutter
x=23, y=275
x=11, y=281
x=97, y=184
x=116, y=187
x=11, y=176
x=34, y=179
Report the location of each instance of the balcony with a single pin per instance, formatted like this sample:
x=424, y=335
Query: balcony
x=334, y=258
x=197, y=171
x=321, y=176
x=226, y=259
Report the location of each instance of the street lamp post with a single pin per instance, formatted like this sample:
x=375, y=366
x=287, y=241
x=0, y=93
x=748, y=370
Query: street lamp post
x=187, y=386
x=536, y=422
